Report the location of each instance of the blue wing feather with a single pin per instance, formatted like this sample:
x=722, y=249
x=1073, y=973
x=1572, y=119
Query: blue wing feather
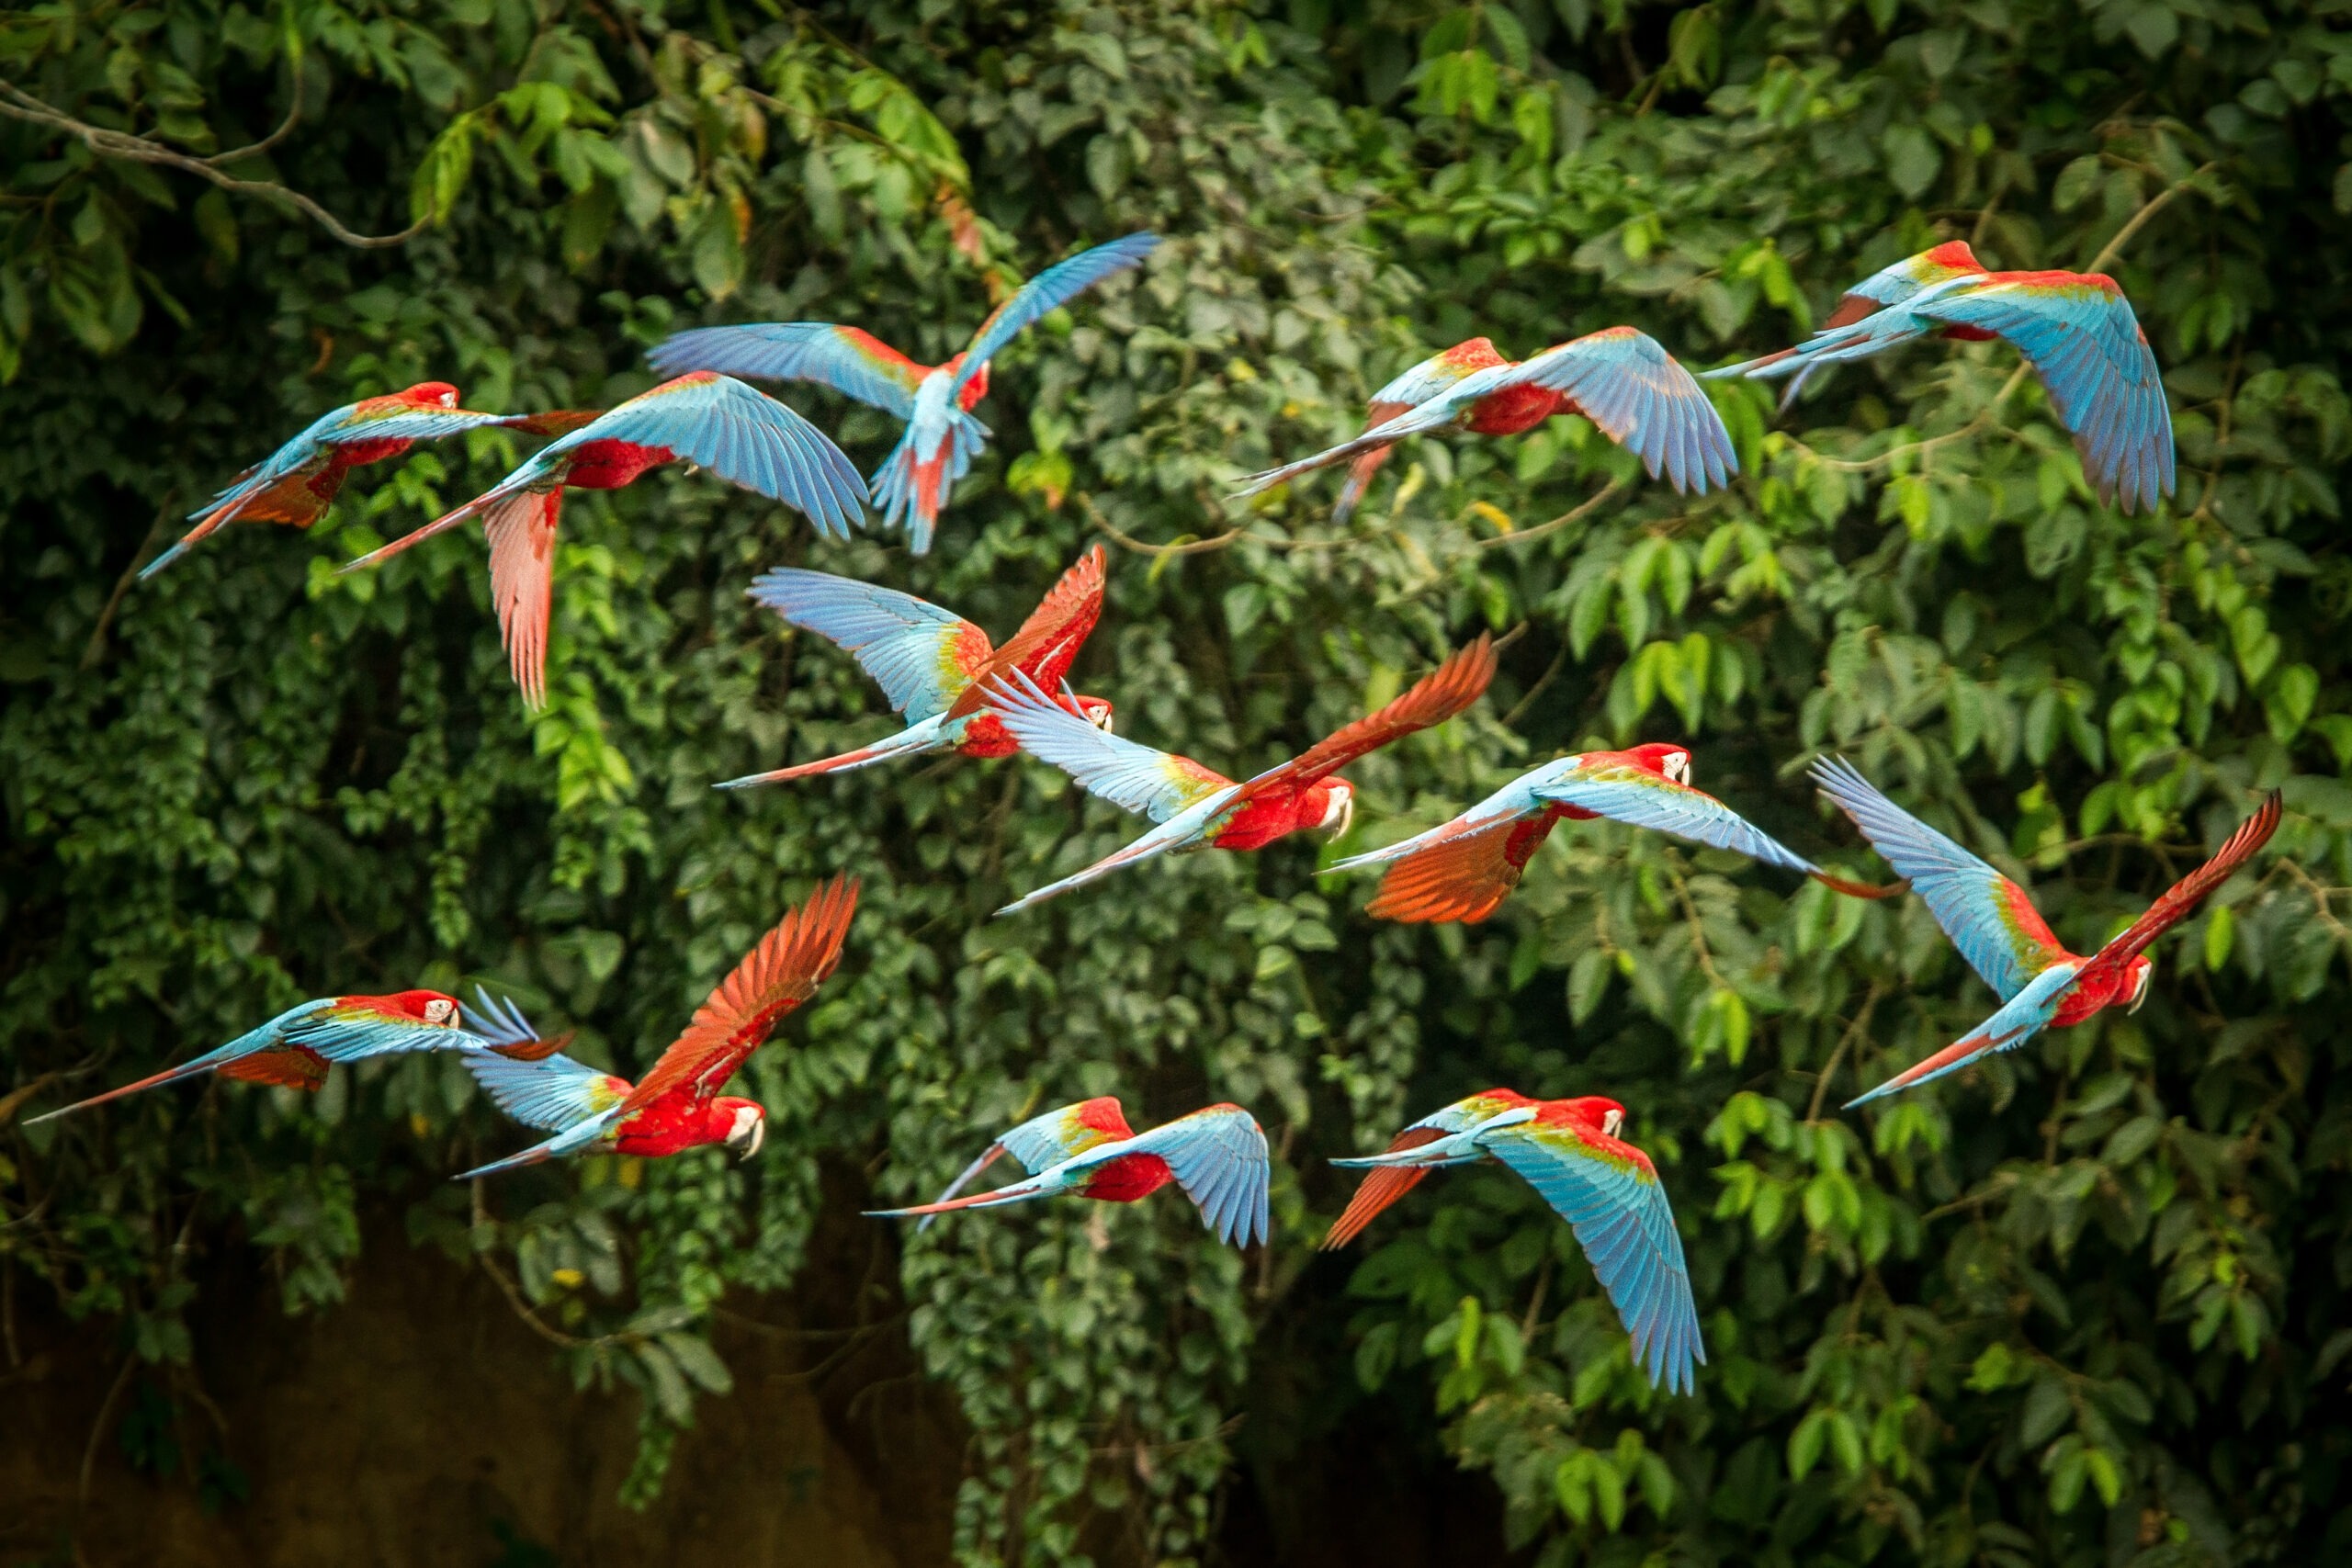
x=1218, y=1156
x=1641, y=398
x=847, y=360
x=1046, y=293
x=1643, y=800
x=905, y=643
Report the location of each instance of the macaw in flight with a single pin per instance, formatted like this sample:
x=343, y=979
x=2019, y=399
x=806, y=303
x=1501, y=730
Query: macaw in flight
x=931, y=664
x=294, y=1049
x=299, y=481
x=1632, y=390
x=936, y=402
x=1993, y=923
x=1606, y=1189
x=1462, y=869
x=742, y=436
x=676, y=1106
x=2076, y=329
x=1198, y=808
x=1087, y=1150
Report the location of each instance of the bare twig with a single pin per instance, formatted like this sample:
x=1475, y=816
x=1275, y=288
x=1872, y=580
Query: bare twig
x=1574, y=515
x=97, y=646
x=16, y=104
x=99, y=1427
x=1127, y=541
x=1853, y=1032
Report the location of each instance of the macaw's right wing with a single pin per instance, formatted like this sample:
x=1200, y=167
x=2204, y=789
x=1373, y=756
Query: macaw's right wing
x=1049, y=642
x=521, y=528
x=1043, y=294
x=1155, y=783
x=1643, y=800
x=1437, y=696
x=775, y=978
x=1640, y=396
x=923, y=656
x=2183, y=896
x=1988, y=918
x=847, y=360
x=1218, y=1156
x=554, y=1093
x=500, y=1024
x=1609, y=1193
x=1047, y=1140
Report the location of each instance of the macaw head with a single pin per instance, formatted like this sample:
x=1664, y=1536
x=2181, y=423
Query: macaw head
x=1599, y=1113
x=741, y=1124
x=973, y=389
x=2136, y=981
x=1338, y=806
x=431, y=395
x=1671, y=764
x=421, y=1007
x=1095, y=711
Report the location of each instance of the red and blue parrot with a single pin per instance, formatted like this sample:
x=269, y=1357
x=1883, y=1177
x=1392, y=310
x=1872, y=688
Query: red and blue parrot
x=1464, y=869
x=676, y=1106
x=1606, y=1189
x=1087, y=1150
x=1993, y=923
x=936, y=402
x=295, y=1048
x=742, y=436
x=931, y=664
x=299, y=481
x=1632, y=390
x=2076, y=329
x=1197, y=808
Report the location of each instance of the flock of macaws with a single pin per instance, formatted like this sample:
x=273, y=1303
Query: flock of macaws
x=954, y=688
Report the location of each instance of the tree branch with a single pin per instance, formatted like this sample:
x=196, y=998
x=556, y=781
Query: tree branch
x=16, y=104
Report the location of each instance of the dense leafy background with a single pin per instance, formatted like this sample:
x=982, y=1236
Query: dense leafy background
x=2084, y=1306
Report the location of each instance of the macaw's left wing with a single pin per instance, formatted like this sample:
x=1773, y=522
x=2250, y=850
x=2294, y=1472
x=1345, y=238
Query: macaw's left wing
x=2018, y=1019
x=351, y=1029
x=552, y=1093
x=1155, y=784
x=2183, y=896
x=923, y=656
x=1046, y=1141
x=1641, y=398
x=1609, y=1193
x=1437, y=696
x=742, y=436
x=844, y=359
x=775, y=978
x=1644, y=799
x=2078, y=332
x=1043, y=294
x=521, y=528
x=1047, y=643
x=1459, y=875
x=288, y=1066
x=1218, y=1158
x=502, y=1026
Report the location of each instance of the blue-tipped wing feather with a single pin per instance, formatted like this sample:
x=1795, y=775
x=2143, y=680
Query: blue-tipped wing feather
x=849, y=361
x=905, y=643
x=1048, y=292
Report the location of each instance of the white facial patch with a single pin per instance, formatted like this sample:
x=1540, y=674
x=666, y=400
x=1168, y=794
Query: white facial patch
x=1610, y=1121
x=1341, y=810
x=440, y=1010
x=749, y=1131
x=1677, y=767
x=450, y=400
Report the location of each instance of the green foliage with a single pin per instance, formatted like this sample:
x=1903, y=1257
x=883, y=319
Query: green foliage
x=2082, y=1305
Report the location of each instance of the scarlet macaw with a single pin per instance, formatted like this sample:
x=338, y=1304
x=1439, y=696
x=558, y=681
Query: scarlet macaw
x=1462, y=869
x=1197, y=808
x=742, y=435
x=299, y=481
x=2076, y=329
x=1619, y=378
x=930, y=663
x=1606, y=1189
x=294, y=1049
x=676, y=1106
x=1993, y=923
x=936, y=402
x=1087, y=1150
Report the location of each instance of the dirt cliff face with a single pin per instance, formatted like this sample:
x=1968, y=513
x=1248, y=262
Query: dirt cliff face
x=421, y=1422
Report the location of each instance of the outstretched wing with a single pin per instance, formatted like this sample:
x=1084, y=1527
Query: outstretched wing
x=1048, y=292
x=1437, y=696
x=1641, y=398
x=778, y=976
x=2017, y=1020
x=1046, y=1141
x=500, y=1024
x=1988, y=918
x=742, y=436
x=923, y=656
x=1609, y=1193
x=1643, y=800
x=521, y=528
x=1155, y=784
x=349, y=1029
x=1459, y=875
x=847, y=360
x=552, y=1093
x=2079, y=333
x=1047, y=643
x=2183, y=896
x=1218, y=1158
